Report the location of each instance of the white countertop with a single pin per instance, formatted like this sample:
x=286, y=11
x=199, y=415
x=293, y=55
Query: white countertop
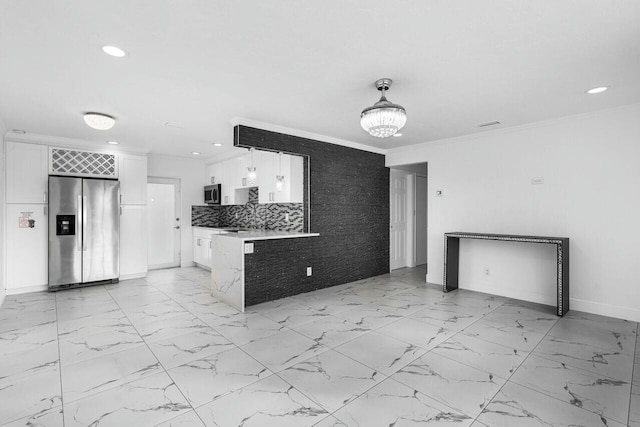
x=266, y=235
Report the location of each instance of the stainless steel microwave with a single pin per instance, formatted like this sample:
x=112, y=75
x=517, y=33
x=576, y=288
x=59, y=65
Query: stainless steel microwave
x=212, y=194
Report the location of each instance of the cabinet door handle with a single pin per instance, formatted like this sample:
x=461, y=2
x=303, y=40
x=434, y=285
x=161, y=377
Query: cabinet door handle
x=45, y=211
x=209, y=245
x=120, y=198
x=44, y=197
x=199, y=242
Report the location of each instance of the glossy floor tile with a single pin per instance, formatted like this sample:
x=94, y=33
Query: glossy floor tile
x=383, y=351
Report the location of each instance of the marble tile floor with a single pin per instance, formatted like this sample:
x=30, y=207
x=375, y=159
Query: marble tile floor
x=384, y=351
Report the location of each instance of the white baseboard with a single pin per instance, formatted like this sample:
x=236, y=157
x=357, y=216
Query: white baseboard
x=27, y=290
x=618, y=312
x=133, y=276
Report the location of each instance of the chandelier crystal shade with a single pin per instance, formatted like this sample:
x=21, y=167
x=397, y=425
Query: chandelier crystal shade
x=384, y=118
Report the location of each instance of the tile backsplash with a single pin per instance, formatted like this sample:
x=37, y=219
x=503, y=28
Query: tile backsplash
x=267, y=216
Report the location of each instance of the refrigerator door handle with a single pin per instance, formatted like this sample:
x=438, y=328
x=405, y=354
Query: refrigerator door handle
x=78, y=224
x=84, y=220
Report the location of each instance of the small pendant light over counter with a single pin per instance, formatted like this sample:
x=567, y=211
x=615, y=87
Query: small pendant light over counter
x=280, y=177
x=251, y=175
x=383, y=119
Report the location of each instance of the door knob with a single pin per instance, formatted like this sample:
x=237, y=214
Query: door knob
x=177, y=227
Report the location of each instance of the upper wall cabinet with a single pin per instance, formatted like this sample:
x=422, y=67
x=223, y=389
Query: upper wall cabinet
x=27, y=173
x=133, y=179
x=290, y=168
x=232, y=174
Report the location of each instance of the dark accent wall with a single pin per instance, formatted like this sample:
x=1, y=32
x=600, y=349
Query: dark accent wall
x=348, y=205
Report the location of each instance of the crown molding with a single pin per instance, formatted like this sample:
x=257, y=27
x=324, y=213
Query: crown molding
x=520, y=128
x=63, y=142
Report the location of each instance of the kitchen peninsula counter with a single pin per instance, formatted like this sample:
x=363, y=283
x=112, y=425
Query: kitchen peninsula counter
x=233, y=261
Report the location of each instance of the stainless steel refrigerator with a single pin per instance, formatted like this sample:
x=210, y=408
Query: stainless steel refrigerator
x=84, y=231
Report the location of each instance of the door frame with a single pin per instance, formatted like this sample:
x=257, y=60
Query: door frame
x=409, y=213
x=178, y=204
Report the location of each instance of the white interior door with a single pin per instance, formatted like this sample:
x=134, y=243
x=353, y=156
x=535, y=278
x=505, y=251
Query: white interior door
x=163, y=206
x=398, y=226
x=421, y=220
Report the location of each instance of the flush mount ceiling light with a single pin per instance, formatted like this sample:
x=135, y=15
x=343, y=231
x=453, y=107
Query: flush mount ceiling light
x=597, y=90
x=99, y=121
x=217, y=144
x=196, y=153
x=114, y=51
x=113, y=142
x=383, y=119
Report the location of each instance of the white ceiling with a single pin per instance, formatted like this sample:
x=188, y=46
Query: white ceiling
x=308, y=66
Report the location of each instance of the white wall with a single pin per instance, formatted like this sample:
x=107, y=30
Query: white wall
x=591, y=169
x=3, y=130
x=191, y=173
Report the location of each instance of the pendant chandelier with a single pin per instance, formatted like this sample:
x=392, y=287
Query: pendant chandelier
x=383, y=119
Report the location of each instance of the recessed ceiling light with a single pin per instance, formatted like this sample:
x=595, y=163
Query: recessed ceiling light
x=114, y=51
x=113, y=142
x=196, y=153
x=19, y=131
x=397, y=134
x=99, y=121
x=597, y=90
x=217, y=144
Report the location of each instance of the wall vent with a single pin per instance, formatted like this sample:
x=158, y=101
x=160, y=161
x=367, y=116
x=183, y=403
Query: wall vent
x=64, y=161
x=484, y=125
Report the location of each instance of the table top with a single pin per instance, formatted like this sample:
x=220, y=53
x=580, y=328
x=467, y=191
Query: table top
x=508, y=237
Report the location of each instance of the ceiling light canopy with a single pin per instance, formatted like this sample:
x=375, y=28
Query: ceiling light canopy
x=599, y=89
x=99, y=121
x=196, y=153
x=383, y=119
x=113, y=142
x=114, y=51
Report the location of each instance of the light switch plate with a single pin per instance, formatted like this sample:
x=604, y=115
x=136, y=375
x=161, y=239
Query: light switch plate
x=248, y=248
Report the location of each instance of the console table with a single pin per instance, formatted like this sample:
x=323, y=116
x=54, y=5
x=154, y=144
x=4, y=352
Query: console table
x=452, y=257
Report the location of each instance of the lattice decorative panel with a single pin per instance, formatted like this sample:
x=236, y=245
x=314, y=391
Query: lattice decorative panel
x=82, y=163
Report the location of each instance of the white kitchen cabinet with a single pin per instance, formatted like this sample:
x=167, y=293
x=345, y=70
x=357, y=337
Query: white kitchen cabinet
x=291, y=167
x=133, y=179
x=202, y=252
x=27, y=248
x=133, y=241
x=27, y=173
x=202, y=249
x=213, y=174
x=228, y=171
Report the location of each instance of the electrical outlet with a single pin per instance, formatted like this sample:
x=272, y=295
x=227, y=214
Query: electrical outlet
x=286, y=217
x=309, y=272
x=236, y=215
x=487, y=271
x=248, y=248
